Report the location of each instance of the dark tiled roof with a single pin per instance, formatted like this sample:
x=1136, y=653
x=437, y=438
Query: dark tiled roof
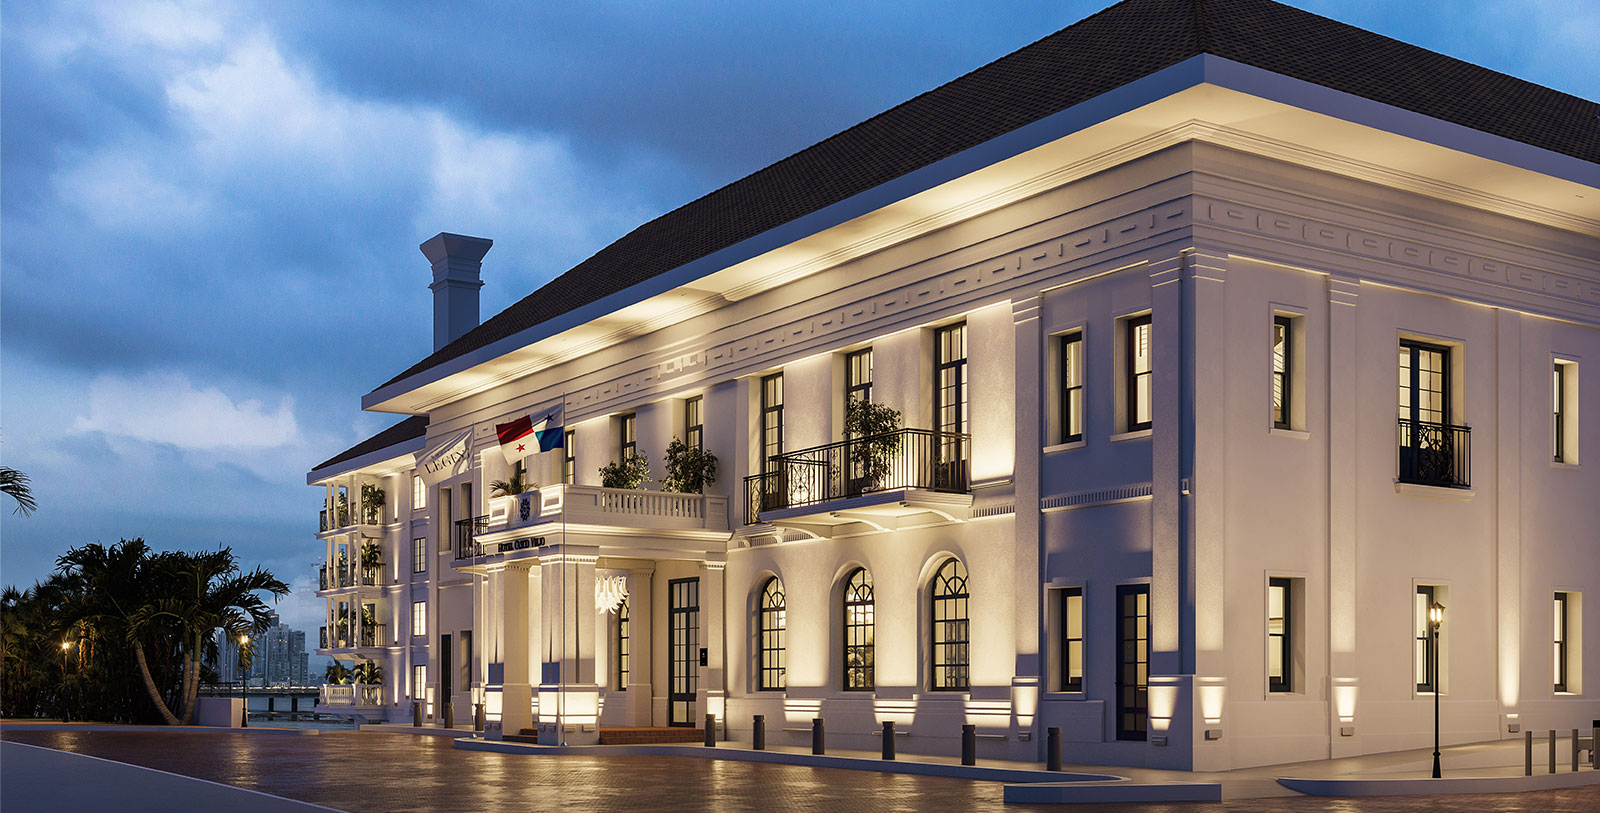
x=1100, y=53
x=413, y=427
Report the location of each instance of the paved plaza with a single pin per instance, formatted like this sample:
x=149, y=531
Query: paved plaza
x=365, y=771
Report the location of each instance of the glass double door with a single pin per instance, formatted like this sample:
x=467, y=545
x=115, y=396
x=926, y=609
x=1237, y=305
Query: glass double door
x=683, y=641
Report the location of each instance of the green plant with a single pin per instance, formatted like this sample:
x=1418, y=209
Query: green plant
x=372, y=500
x=371, y=555
x=337, y=673
x=689, y=468
x=518, y=484
x=368, y=672
x=872, y=432
x=632, y=472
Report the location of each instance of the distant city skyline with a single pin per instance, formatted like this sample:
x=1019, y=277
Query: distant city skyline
x=280, y=658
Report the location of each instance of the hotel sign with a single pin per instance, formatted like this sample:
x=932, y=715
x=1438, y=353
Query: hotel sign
x=447, y=458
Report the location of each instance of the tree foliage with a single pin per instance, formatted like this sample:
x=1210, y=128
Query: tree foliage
x=15, y=484
x=121, y=633
x=632, y=472
x=689, y=468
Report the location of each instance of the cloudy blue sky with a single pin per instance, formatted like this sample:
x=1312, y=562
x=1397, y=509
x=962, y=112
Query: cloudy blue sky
x=210, y=211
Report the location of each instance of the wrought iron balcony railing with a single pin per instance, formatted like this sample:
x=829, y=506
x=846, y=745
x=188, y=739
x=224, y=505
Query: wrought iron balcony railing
x=1435, y=454
x=373, y=636
x=466, y=529
x=903, y=459
x=372, y=576
x=328, y=520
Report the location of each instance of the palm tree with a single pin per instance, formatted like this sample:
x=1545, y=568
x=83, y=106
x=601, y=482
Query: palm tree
x=518, y=483
x=113, y=587
x=14, y=484
x=337, y=674
x=368, y=672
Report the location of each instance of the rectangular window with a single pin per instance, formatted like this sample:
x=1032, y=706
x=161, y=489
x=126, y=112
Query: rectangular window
x=1559, y=397
x=771, y=419
x=694, y=429
x=569, y=458
x=858, y=376
x=1427, y=649
x=1432, y=451
x=419, y=681
x=950, y=408
x=1139, y=355
x=1072, y=387
x=419, y=618
x=419, y=555
x=1564, y=412
x=1072, y=639
x=622, y=646
x=466, y=657
x=627, y=436
x=1560, y=650
x=1282, y=371
x=1280, y=645
x=419, y=493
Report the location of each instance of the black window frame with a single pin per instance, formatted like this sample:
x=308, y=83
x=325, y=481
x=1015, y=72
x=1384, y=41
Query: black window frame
x=627, y=436
x=771, y=418
x=419, y=554
x=1134, y=375
x=1283, y=373
x=771, y=630
x=1070, y=348
x=1133, y=638
x=1560, y=656
x=1069, y=663
x=1285, y=638
x=621, y=644
x=950, y=401
x=569, y=457
x=694, y=428
x=858, y=603
x=1559, y=412
x=950, y=628
x=1426, y=642
x=855, y=385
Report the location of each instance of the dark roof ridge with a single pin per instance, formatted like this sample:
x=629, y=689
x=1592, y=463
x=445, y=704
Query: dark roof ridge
x=412, y=427
x=1108, y=49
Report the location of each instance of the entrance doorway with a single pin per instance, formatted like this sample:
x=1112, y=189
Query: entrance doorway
x=1133, y=661
x=684, y=645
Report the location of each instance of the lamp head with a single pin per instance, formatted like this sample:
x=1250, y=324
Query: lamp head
x=243, y=640
x=1436, y=614
x=66, y=645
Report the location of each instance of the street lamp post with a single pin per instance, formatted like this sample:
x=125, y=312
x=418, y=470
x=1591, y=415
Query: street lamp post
x=65, y=647
x=244, y=694
x=1435, y=619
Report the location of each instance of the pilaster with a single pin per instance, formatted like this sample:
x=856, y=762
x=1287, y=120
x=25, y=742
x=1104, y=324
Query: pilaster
x=569, y=697
x=1343, y=667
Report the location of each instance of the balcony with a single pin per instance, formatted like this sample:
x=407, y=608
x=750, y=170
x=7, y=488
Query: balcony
x=333, y=520
x=526, y=521
x=334, y=577
x=358, y=695
x=372, y=636
x=1435, y=454
x=884, y=481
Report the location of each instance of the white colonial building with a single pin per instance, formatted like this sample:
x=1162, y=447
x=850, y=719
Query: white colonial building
x=1226, y=340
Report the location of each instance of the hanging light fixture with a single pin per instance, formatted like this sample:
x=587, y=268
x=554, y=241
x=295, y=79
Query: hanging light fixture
x=609, y=593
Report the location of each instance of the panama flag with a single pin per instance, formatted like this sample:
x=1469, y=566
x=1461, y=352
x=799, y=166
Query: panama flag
x=522, y=437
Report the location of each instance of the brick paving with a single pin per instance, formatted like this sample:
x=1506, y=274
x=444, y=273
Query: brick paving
x=364, y=771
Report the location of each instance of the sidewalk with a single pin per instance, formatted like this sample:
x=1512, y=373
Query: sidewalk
x=43, y=779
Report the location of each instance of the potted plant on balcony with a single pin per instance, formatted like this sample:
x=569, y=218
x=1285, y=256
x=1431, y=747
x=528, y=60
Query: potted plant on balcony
x=337, y=674
x=371, y=560
x=518, y=483
x=633, y=472
x=342, y=504
x=871, y=432
x=369, y=626
x=372, y=500
x=689, y=468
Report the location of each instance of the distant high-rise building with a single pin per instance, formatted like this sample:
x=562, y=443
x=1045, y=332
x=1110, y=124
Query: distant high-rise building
x=278, y=657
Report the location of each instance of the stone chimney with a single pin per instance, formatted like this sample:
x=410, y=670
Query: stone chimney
x=457, y=261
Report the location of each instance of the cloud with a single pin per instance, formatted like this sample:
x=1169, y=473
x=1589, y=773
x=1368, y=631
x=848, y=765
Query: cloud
x=167, y=408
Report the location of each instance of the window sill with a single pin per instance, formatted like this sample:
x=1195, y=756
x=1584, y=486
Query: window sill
x=1289, y=433
x=1438, y=492
x=1565, y=466
x=1063, y=447
x=1066, y=696
x=1134, y=435
x=1275, y=696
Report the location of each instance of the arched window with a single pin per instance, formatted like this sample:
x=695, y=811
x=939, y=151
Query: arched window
x=770, y=622
x=858, y=617
x=951, y=633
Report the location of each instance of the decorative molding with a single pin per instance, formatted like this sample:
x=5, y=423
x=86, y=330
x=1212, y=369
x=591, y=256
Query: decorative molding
x=1088, y=499
x=993, y=511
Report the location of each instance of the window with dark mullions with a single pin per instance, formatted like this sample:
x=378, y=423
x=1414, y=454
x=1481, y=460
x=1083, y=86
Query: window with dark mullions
x=622, y=645
x=1557, y=439
x=694, y=430
x=419, y=555
x=1072, y=639
x=951, y=628
x=1139, y=354
x=771, y=621
x=771, y=419
x=858, y=376
x=628, y=436
x=1072, y=387
x=1280, y=661
x=1560, y=652
x=1282, y=370
x=1427, y=679
x=858, y=631
x=569, y=458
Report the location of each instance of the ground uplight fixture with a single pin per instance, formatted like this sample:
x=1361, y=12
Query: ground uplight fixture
x=1435, y=620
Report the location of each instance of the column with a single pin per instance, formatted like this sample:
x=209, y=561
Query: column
x=1508, y=512
x=509, y=693
x=1343, y=666
x=713, y=676
x=569, y=697
x=640, y=630
x=1029, y=628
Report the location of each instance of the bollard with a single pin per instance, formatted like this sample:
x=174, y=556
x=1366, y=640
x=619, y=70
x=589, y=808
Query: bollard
x=449, y=715
x=1574, y=750
x=888, y=739
x=758, y=732
x=1052, y=748
x=416, y=713
x=818, y=745
x=1552, y=750
x=711, y=730
x=477, y=716
x=244, y=714
x=1527, y=748
x=969, y=744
